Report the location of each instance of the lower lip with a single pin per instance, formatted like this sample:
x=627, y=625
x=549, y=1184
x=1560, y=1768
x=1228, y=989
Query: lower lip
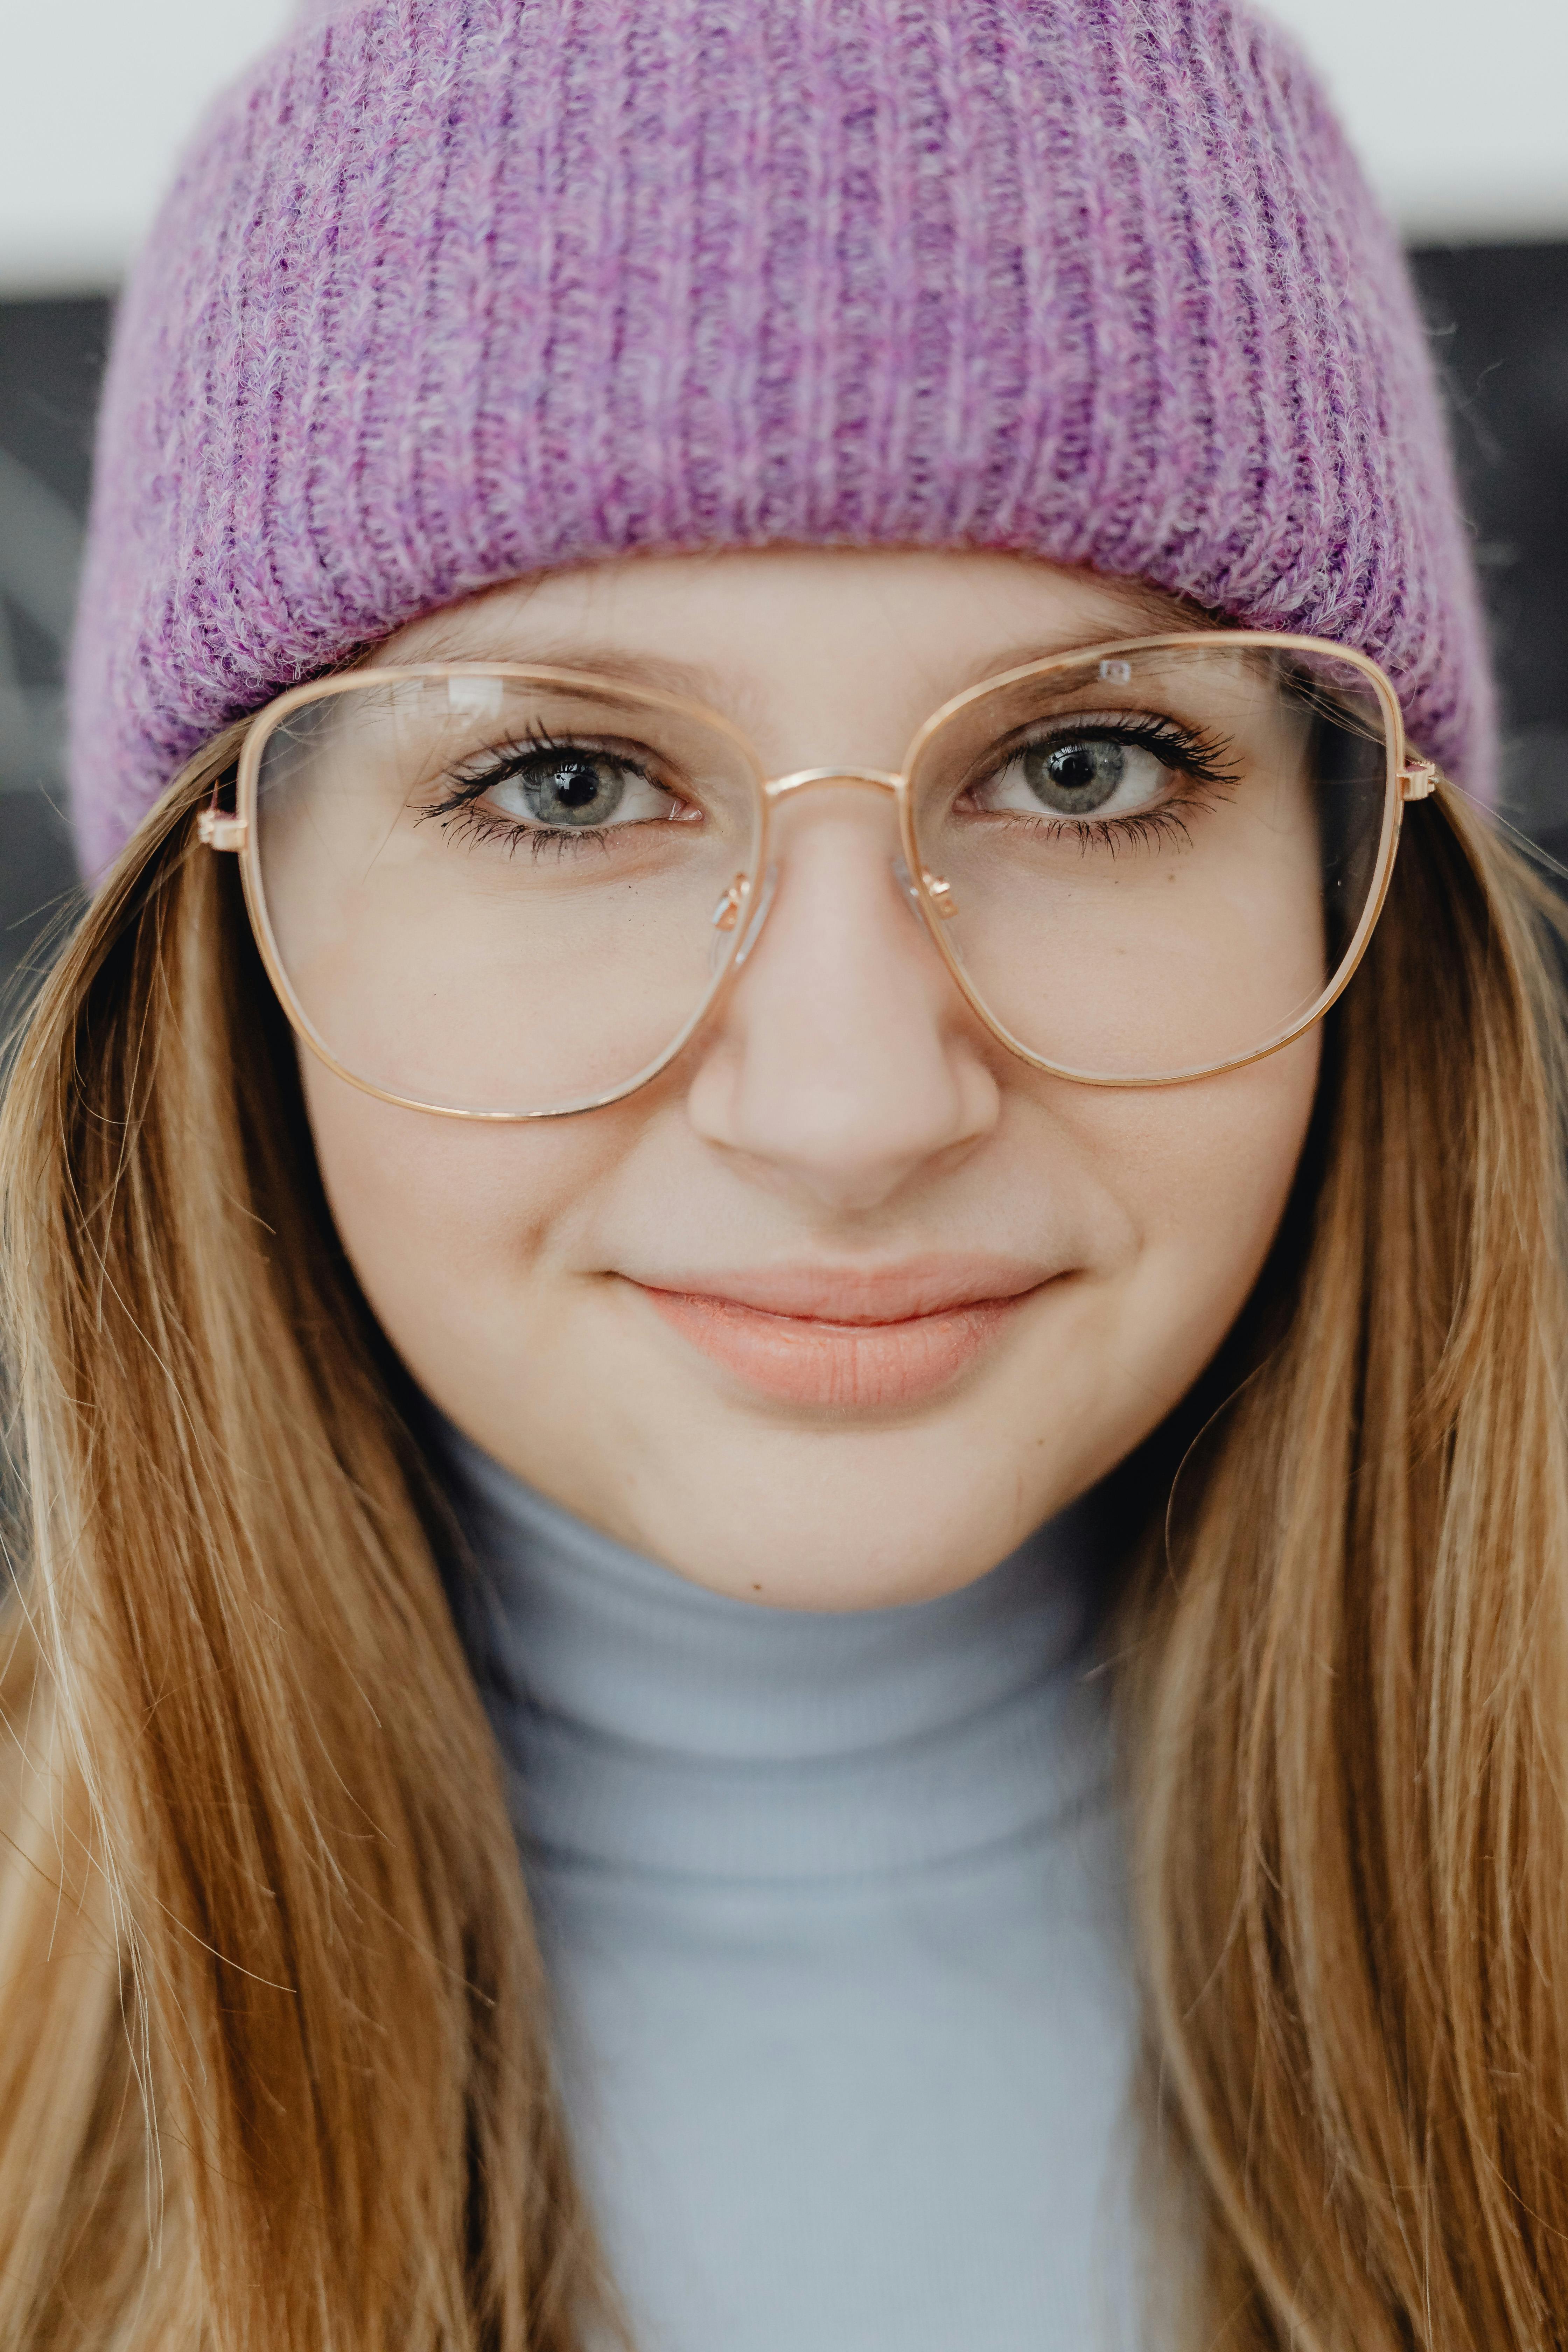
x=846, y=1367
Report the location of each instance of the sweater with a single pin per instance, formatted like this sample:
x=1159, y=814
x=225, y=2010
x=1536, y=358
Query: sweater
x=832, y=1910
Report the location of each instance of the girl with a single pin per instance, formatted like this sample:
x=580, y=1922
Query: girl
x=782, y=1259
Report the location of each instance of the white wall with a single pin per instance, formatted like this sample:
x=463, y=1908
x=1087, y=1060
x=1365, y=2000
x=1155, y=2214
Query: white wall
x=1458, y=106
x=95, y=97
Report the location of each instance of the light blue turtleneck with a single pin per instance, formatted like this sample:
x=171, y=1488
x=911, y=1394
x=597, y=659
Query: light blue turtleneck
x=831, y=1906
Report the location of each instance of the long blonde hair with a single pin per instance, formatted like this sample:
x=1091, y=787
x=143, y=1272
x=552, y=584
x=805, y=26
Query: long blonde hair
x=273, y=2045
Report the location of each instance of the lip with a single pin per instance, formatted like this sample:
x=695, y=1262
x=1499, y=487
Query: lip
x=846, y=1340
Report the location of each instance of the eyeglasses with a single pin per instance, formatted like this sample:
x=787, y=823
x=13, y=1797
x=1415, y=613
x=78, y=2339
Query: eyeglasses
x=492, y=890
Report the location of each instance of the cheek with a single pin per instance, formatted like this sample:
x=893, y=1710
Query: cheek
x=477, y=1249
x=445, y=1220
x=1202, y=1174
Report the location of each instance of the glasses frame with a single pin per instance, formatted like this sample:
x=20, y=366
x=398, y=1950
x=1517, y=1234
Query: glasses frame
x=1407, y=778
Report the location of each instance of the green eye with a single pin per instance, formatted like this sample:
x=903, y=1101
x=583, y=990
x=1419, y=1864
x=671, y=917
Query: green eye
x=1078, y=776
x=571, y=787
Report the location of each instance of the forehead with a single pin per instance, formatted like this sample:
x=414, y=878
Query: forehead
x=865, y=640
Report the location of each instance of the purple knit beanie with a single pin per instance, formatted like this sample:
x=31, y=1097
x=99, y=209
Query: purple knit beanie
x=449, y=290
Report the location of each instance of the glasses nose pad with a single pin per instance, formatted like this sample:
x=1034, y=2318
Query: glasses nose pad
x=940, y=891
x=906, y=882
x=733, y=908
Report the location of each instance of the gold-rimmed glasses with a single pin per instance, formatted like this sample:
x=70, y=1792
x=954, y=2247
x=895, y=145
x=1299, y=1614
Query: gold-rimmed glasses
x=509, y=891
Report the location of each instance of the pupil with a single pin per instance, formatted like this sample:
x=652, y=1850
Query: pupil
x=575, y=790
x=1076, y=775
x=1076, y=769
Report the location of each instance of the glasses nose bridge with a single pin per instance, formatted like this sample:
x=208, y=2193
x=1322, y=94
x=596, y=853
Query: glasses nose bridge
x=732, y=909
x=878, y=780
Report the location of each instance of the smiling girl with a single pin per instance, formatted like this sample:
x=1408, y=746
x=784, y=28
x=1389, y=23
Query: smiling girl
x=782, y=1259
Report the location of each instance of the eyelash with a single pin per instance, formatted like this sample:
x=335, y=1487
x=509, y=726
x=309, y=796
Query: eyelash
x=1201, y=759
x=471, y=822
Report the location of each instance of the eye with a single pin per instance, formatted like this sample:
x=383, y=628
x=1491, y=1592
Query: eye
x=569, y=786
x=1089, y=774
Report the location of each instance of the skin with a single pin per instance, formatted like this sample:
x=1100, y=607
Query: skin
x=844, y=1115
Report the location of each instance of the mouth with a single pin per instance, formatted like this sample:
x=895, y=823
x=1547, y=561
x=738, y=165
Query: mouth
x=846, y=1340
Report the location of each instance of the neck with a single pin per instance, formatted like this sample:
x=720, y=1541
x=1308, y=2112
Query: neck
x=652, y=1725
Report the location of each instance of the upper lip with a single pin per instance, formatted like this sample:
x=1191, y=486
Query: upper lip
x=859, y=1295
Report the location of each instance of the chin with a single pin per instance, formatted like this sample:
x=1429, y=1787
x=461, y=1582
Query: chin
x=854, y=1520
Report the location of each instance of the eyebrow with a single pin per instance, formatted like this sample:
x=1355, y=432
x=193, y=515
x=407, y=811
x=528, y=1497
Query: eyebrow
x=1150, y=611
x=695, y=680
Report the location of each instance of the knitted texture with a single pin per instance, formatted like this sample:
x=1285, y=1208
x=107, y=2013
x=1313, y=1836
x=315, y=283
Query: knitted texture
x=448, y=290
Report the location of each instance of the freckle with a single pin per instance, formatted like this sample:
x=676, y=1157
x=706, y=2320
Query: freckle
x=756, y=1588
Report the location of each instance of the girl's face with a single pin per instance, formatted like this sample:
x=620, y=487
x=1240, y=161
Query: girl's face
x=836, y=1310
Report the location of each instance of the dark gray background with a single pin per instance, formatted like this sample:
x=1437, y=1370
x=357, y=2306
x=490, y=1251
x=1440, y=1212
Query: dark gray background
x=1499, y=316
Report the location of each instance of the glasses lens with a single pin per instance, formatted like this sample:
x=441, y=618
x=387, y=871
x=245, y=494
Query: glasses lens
x=489, y=894
x=1160, y=861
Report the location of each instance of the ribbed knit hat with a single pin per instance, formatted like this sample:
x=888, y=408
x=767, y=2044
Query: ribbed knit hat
x=449, y=290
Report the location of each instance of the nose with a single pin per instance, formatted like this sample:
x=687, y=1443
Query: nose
x=844, y=1061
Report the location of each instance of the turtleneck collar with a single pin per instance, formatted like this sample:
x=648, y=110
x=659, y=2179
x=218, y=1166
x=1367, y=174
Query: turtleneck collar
x=650, y=1725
